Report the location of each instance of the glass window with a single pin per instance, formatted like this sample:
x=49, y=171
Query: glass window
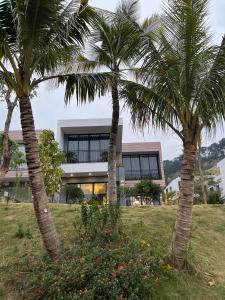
x=87, y=148
x=141, y=166
x=154, y=168
x=127, y=163
x=83, y=148
x=145, y=167
x=135, y=165
x=104, y=142
x=87, y=189
x=94, y=148
x=100, y=188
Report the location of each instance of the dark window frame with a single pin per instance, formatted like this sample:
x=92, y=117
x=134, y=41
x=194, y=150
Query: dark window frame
x=139, y=155
x=102, y=150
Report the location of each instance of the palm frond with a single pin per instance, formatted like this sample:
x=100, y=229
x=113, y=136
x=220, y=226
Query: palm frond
x=86, y=86
x=181, y=81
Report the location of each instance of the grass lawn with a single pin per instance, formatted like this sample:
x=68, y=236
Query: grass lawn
x=205, y=279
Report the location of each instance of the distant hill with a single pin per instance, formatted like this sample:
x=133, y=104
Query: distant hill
x=210, y=156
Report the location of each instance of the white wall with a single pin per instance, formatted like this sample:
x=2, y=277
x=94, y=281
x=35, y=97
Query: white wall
x=221, y=166
x=82, y=168
x=173, y=186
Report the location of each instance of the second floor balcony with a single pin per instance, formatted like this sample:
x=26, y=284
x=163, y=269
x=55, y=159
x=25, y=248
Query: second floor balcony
x=86, y=156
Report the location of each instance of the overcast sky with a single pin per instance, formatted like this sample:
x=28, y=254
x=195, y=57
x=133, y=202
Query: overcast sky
x=49, y=105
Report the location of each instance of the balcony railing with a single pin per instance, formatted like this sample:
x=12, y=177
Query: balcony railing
x=138, y=175
x=86, y=156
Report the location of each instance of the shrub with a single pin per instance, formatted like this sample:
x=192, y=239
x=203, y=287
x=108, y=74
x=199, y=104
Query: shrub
x=23, y=233
x=73, y=194
x=114, y=272
x=99, y=223
x=98, y=267
x=214, y=197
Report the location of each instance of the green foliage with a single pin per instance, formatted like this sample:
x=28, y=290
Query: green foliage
x=23, y=233
x=95, y=268
x=17, y=156
x=73, y=194
x=172, y=168
x=182, y=74
x=147, y=190
x=114, y=45
x=126, y=271
x=214, y=197
x=100, y=222
x=51, y=159
x=210, y=156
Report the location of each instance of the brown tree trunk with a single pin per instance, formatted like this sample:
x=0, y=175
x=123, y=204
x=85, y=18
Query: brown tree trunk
x=178, y=255
x=112, y=186
x=5, y=140
x=40, y=200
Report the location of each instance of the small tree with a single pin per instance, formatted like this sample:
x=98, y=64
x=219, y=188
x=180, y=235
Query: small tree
x=17, y=157
x=73, y=193
x=5, y=155
x=147, y=190
x=51, y=159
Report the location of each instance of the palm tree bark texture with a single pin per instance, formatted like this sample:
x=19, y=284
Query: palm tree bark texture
x=180, y=239
x=40, y=200
x=5, y=141
x=112, y=183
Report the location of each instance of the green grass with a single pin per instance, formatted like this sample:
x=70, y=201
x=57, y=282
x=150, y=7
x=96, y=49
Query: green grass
x=206, y=251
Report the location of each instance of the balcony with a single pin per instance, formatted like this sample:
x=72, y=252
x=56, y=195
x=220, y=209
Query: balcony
x=139, y=175
x=86, y=156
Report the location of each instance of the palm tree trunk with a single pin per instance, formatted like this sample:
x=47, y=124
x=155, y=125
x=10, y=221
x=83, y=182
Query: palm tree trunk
x=5, y=141
x=112, y=186
x=40, y=200
x=178, y=255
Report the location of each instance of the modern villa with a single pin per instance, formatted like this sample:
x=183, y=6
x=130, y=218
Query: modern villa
x=85, y=144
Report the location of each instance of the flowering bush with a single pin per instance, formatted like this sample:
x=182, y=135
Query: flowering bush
x=98, y=267
x=113, y=272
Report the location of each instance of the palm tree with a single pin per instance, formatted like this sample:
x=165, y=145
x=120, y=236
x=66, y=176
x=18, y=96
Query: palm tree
x=114, y=45
x=36, y=38
x=181, y=86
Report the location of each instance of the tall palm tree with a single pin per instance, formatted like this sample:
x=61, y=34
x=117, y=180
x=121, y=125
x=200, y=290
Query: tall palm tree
x=181, y=86
x=114, y=45
x=36, y=38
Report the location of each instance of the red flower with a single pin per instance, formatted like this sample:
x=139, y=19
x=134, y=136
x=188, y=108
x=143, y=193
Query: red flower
x=145, y=278
x=114, y=274
x=40, y=292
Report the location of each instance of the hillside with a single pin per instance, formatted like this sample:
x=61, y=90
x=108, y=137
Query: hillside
x=205, y=279
x=210, y=156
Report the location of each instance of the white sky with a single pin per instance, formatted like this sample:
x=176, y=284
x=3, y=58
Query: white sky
x=49, y=105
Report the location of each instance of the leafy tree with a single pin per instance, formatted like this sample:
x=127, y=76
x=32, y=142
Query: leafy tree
x=73, y=193
x=214, y=197
x=17, y=157
x=172, y=168
x=114, y=46
x=5, y=143
x=37, y=39
x=51, y=160
x=147, y=190
x=181, y=86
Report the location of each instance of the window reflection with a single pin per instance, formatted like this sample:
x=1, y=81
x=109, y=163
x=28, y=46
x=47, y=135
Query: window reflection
x=87, y=148
x=141, y=166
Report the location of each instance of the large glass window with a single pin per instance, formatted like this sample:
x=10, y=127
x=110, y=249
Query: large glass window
x=141, y=166
x=86, y=148
x=91, y=189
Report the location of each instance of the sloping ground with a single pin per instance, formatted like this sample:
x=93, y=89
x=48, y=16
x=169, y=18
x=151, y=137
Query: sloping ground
x=204, y=280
